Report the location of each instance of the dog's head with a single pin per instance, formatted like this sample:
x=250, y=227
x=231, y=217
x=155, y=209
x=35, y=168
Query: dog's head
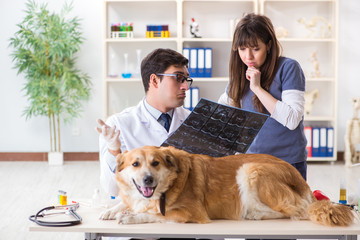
x=146, y=172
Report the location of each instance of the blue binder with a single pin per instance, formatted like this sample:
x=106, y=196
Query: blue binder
x=193, y=63
x=186, y=53
x=187, y=102
x=316, y=142
x=208, y=62
x=194, y=97
x=323, y=142
x=201, y=62
x=330, y=142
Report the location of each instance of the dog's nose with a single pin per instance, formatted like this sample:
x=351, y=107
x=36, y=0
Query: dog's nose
x=148, y=180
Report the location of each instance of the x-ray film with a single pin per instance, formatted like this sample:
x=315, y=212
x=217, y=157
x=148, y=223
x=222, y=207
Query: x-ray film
x=217, y=130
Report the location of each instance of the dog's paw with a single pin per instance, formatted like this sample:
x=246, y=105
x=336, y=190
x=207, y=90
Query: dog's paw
x=137, y=218
x=109, y=215
x=128, y=218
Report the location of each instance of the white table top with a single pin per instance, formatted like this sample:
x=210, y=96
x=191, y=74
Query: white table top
x=220, y=228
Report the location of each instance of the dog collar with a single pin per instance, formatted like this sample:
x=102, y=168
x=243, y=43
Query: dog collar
x=162, y=204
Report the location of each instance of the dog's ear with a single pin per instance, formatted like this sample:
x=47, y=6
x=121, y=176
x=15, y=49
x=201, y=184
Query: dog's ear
x=170, y=162
x=171, y=157
x=120, y=161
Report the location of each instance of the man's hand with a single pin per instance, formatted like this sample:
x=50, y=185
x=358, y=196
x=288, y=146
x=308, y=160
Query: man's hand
x=111, y=136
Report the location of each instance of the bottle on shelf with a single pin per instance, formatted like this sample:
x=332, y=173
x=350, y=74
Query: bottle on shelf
x=126, y=73
x=113, y=66
x=138, y=58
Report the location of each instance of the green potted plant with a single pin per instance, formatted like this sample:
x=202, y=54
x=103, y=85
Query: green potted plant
x=44, y=52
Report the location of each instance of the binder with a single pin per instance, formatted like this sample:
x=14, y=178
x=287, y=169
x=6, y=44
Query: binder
x=323, y=142
x=201, y=62
x=194, y=97
x=308, y=136
x=186, y=53
x=208, y=62
x=330, y=142
x=315, y=142
x=187, y=102
x=193, y=62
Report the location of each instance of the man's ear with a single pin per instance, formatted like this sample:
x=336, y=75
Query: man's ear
x=120, y=161
x=154, y=80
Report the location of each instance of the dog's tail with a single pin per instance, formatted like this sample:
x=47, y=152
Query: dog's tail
x=330, y=214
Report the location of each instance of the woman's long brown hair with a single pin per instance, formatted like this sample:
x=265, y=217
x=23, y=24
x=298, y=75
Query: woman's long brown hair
x=251, y=29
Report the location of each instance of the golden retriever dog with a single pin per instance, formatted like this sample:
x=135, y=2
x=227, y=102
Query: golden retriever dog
x=164, y=184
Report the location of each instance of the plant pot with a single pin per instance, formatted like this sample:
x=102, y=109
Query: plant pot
x=55, y=158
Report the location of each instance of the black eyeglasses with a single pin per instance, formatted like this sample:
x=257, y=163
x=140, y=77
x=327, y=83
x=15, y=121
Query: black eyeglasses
x=179, y=77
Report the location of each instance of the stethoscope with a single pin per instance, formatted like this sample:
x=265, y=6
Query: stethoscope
x=70, y=209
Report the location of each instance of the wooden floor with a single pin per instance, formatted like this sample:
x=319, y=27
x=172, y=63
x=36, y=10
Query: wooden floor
x=29, y=186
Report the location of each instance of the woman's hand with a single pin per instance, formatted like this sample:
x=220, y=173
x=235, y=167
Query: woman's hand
x=253, y=75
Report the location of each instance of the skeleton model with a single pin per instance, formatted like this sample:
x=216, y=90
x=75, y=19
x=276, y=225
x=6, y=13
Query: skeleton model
x=312, y=26
x=352, y=136
x=315, y=64
x=281, y=32
x=310, y=99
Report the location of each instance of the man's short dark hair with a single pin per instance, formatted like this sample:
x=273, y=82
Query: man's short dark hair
x=158, y=61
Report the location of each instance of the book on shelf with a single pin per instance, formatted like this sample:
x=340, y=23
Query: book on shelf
x=320, y=141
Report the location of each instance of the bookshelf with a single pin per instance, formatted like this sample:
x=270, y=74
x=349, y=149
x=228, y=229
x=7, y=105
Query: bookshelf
x=300, y=46
x=214, y=18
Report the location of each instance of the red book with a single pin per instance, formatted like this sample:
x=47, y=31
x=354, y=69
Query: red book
x=308, y=135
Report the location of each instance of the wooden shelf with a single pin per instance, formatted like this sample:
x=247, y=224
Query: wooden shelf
x=121, y=1
x=122, y=40
x=307, y=40
x=321, y=79
x=298, y=1
x=319, y=118
x=206, y=40
x=121, y=80
x=212, y=79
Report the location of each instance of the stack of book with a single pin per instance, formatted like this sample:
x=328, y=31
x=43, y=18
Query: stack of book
x=157, y=31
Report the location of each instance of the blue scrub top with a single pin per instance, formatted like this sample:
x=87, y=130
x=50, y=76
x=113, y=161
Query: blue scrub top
x=274, y=138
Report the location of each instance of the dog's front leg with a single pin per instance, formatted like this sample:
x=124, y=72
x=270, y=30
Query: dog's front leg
x=114, y=212
x=133, y=218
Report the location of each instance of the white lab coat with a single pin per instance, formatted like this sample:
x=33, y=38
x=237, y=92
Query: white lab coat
x=137, y=128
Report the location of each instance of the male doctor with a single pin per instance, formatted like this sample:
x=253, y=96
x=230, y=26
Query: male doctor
x=166, y=79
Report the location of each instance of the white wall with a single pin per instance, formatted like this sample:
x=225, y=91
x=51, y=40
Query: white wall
x=349, y=63
x=19, y=135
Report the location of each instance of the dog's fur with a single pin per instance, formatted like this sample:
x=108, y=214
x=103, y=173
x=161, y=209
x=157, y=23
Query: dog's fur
x=198, y=188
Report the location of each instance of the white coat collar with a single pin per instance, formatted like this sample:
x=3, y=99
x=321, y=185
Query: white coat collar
x=179, y=116
x=154, y=112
